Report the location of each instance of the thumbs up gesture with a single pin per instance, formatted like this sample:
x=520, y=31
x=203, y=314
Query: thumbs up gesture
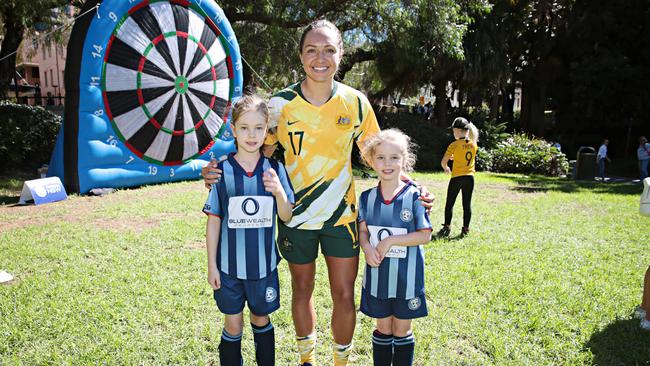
x=272, y=182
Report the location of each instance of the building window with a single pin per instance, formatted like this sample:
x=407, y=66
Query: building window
x=45, y=78
x=35, y=72
x=43, y=48
x=52, y=77
x=49, y=50
x=62, y=79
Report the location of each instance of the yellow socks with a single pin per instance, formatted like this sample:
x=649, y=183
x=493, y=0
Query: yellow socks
x=307, y=348
x=341, y=354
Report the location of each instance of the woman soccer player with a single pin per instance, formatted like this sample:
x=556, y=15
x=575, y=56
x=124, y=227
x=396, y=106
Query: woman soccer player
x=316, y=122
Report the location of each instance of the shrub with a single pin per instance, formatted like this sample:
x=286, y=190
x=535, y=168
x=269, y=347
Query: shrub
x=27, y=136
x=483, y=160
x=522, y=154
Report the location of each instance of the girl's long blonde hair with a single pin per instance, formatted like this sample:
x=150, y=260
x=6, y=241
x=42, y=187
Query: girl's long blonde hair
x=394, y=136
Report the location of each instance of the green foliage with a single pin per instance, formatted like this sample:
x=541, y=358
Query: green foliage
x=431, y=141
x=491, y=133
x=404, y=39
x=483, y=160
x=27, y=136
x=522, y=154
x=17, y=16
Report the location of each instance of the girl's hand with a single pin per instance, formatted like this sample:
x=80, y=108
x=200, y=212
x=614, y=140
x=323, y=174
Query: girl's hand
x=210, y=173
x=372, y=256
x=272, y=182
x=214, y=278
x=447, y=170
x=383, y=247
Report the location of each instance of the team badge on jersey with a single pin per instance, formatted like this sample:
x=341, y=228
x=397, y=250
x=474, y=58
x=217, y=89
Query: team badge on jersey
x=271, y=294
x=406, y=215
x=343, y=121
x=415, y=303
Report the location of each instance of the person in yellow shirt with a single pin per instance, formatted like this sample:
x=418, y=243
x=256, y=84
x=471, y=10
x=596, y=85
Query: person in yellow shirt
x=463, y=153
x=317, y=121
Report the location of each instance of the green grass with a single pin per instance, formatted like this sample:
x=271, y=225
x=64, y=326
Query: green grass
x=550, y=274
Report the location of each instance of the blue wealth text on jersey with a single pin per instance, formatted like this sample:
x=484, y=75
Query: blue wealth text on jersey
x=246, y=248
x=401, y=273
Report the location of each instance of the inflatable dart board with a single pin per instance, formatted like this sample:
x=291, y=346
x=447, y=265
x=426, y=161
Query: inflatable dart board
x=149, y=89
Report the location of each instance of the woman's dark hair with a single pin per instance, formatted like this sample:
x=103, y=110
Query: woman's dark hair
x=321, y=23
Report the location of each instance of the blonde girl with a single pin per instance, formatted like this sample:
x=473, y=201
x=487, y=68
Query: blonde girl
x=392, y=227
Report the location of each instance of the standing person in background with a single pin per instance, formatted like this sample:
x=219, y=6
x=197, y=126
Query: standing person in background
x=601, y=157
x=643, y=153
x=317, y=121
x=463, y=153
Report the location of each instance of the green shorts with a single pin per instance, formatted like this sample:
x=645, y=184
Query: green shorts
x=300, y=246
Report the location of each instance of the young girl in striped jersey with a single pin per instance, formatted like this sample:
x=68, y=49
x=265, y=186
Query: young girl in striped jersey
x=463, y=153
x=242, y=256
x=392, y=226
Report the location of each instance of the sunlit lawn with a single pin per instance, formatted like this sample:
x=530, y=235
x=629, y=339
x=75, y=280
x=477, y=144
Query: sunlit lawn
x=550, y=274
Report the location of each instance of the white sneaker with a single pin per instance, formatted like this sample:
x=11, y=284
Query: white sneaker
x=645, y=324
x=639, y=312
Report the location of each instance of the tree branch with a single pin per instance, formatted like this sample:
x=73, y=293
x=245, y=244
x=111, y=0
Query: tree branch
x=236, y=15
x=351, y=59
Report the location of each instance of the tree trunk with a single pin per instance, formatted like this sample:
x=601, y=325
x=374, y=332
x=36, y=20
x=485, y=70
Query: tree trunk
x=494, y=104
x=533, y=101
x=440, y=109
x=13, y=31
x=508, y=105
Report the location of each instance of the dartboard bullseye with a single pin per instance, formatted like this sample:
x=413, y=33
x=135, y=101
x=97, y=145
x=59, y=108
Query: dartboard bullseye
x=149, y=86
x=167, y=82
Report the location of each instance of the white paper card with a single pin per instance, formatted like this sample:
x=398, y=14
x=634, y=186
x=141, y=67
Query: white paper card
x=5, y=277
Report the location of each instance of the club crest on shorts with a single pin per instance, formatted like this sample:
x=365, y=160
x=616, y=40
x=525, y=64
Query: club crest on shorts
x=287, y=245
x=414, y=303
x=270, y=294
x=406, y=215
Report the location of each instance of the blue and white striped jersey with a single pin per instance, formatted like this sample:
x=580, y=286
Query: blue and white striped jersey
x=401, y=273
x=246, y=247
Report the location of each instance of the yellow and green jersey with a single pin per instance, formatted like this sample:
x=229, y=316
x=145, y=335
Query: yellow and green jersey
x=464, y=155
x=317, y=142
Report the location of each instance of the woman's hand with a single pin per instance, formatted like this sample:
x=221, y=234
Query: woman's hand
x=426, y=198
x=210, y=173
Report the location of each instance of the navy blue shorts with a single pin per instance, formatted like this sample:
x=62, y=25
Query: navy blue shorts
x=399, y=308
x=263, y=295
